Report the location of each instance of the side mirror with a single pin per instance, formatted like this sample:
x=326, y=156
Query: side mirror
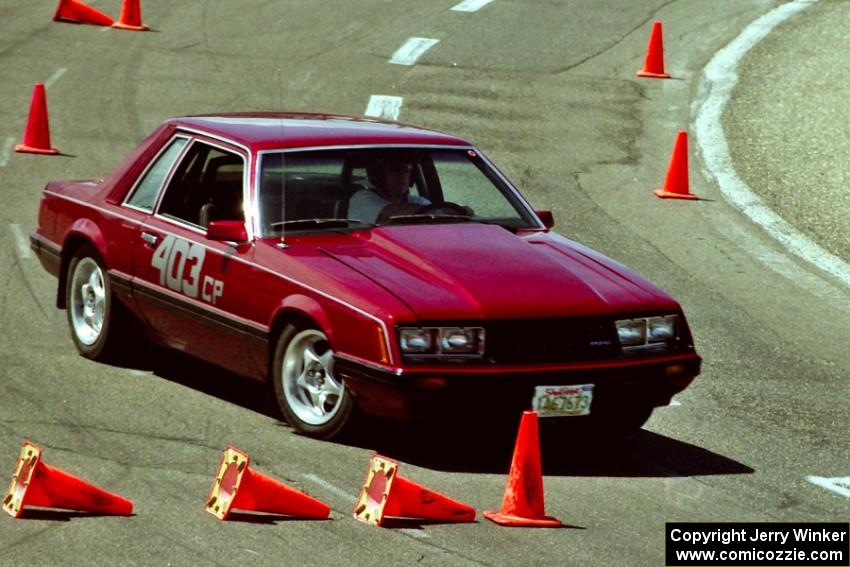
x=546, y=218
x=227, y=230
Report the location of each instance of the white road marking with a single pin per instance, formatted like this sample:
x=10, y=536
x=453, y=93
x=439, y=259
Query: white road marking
x=55, y=77
x=412, y=50
x=330, y=487
x=20, y=241
x=674, y=403
x=471, y=5
x=718, y=83
x=6, y=152
x=840, y=485
x=383, y=106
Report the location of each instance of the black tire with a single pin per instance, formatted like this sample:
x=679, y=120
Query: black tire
x=91, y=310
x=309, y=402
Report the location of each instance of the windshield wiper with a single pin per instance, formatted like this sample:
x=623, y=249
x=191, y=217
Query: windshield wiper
x=430, y=217
x=318, y=223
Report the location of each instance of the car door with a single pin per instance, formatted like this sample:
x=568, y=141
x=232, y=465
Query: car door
x=188, y=287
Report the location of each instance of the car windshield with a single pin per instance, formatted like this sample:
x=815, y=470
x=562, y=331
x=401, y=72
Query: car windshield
x=332, y=190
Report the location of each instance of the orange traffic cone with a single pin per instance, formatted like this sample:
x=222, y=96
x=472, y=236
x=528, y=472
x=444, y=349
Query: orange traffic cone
x=131, y=17
x=523, y=501
x=676, y=182
x=37, y=132
x=653, y=65
x=386, y=493
x=238, y=487
x=76, y=11
x=37, y=484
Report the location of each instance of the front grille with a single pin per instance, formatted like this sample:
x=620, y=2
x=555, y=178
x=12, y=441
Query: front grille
x=551, y=341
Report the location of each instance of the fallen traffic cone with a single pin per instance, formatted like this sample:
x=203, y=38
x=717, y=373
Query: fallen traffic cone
x=522, y=504
x=676, y=182
x=37, y=484
x=386, y=493
x=653, y=65
x=131, y=17
x=238, y=487
x=76, y=11
x=37, y=132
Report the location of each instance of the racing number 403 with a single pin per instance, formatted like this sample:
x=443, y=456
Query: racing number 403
x=179, y=263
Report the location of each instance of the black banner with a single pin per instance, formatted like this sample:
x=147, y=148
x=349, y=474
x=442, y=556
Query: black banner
x=757, y=544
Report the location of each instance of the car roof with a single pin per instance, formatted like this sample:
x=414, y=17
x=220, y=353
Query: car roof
x=273, y=130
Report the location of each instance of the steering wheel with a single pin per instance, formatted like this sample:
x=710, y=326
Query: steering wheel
x=448, y=206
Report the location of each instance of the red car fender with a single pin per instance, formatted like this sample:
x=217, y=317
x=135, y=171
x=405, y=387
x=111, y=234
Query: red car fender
x=82, y=231
x=303, y=306
x=85, y=229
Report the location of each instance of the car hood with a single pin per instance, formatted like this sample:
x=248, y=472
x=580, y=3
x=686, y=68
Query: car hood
x=476, y=271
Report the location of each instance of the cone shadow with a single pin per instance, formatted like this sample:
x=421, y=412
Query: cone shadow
x=267, y=519
x=49, y=515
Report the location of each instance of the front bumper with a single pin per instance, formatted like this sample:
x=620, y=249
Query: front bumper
x=411, y=393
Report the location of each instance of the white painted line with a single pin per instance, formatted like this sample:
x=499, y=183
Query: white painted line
x=330, y=487
x=6, y=152
x=471, y=5
x=55, y=77
x=412, y=50
x=718, y=83
x=21, y=244
x=674, y=403
x=840, y=485
x=383, y=106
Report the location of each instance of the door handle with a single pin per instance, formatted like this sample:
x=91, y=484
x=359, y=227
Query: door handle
x=150, y=239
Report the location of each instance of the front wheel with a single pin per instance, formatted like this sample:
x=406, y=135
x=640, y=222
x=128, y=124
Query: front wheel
x=313, y=400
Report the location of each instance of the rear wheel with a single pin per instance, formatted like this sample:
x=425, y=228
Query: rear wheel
x=90, y=307
x=312, y=399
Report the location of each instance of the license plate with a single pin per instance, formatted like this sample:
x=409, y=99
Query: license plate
x=555, y=401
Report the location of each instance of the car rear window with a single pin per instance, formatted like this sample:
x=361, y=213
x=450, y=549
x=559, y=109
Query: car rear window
x=144, y=194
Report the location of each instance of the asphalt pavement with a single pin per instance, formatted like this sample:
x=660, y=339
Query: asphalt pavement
x=548, y=91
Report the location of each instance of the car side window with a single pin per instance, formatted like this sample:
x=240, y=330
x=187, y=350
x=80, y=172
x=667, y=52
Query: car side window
x=144, y=195
x=206, y=186
x=469, y=186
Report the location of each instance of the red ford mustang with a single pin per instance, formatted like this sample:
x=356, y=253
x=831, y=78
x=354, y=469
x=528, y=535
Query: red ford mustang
x=357, y=265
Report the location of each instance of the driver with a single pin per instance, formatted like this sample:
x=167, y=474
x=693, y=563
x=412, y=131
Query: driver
x=390, y=195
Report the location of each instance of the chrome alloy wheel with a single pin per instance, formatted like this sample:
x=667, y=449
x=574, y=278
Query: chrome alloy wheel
x=312, y=392
x=88, y=301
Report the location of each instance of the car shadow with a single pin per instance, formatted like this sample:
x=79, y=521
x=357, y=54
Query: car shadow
x=196, y=374
x=490, y=450
x=473, y=445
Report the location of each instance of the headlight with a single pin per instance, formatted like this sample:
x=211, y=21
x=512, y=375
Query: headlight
x=662, y=329
x=631, y=332
x=648, y=333
x=416, y=341
x=441, y=340
x=458, y=340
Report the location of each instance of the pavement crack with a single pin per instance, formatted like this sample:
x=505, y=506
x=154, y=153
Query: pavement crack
x=615, y=43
